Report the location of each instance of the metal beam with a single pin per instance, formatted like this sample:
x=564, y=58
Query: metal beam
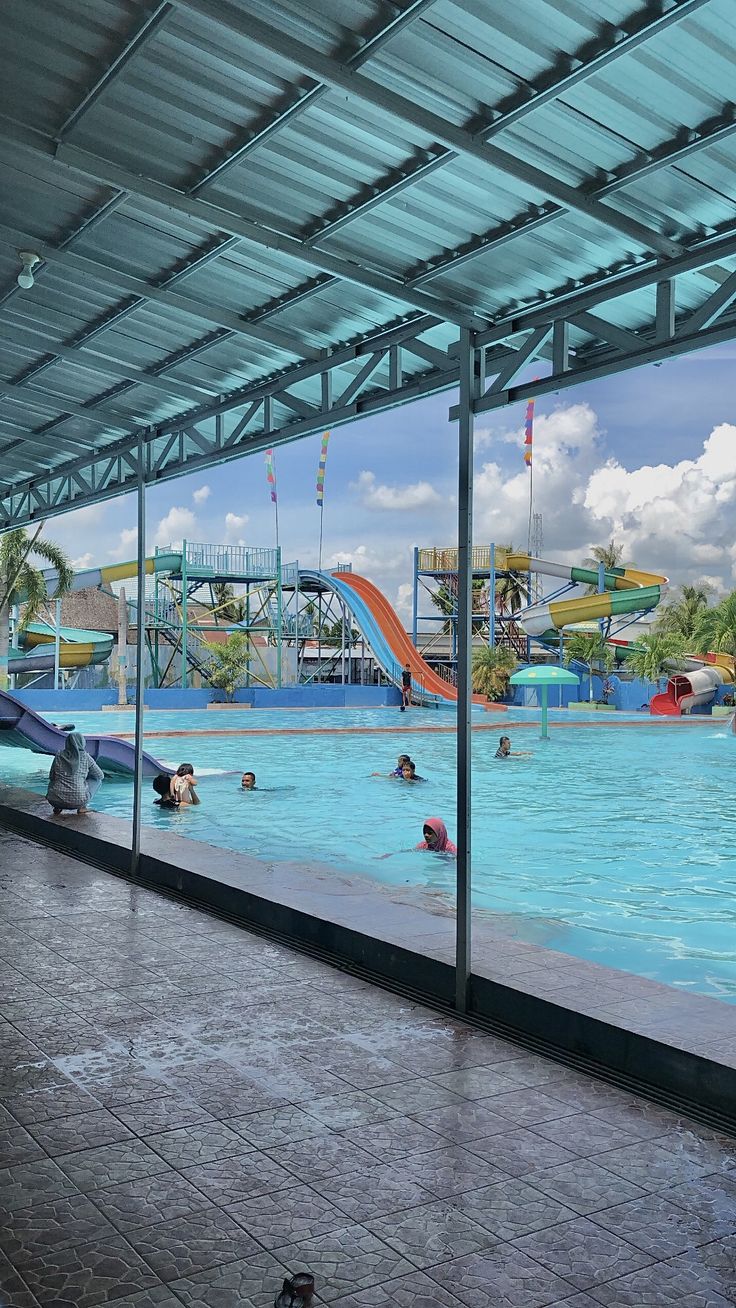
x=669, y=154
x=108, y=473
x=45, y=400
x=109, y=275
x=614, y=40
x=439, y=129
x=293, y=108
x=81, y=481
x=26, y=336
x=572, y=69
x=82, y=162
x=134, y=43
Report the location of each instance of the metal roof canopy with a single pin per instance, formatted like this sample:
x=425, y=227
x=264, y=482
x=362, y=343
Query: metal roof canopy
x=260, y=219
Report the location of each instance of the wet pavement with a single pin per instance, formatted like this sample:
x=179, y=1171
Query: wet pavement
x=188, y=1111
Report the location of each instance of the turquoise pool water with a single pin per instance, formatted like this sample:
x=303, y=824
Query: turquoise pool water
x=615, y=843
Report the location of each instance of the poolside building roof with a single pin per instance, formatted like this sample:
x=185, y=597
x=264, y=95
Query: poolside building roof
x=257, y=220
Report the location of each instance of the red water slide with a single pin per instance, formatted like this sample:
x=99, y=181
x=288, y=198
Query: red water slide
x=404, y=651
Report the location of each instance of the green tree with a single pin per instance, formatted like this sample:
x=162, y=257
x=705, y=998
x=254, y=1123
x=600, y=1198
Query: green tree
x=609, y=555
x=716, y=629
x=228, y=663
x=445, y=599
x=512, y=588
x=590, y=648
x=683, y=615
x=655, y=654
x=227, y=605
x=22, y=582
x=492, y=667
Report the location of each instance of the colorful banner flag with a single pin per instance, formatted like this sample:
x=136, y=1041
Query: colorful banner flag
x=271, y=475
x=321, y=470
x=529, y=433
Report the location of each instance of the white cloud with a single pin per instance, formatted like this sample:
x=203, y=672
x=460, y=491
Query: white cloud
x=418, y=495
x=201, y=494
x=234, y=524
x=678, y=519
x=82, y=562
x=127, y=544
x=178, y=524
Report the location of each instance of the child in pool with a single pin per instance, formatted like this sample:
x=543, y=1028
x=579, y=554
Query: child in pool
x=183, y=784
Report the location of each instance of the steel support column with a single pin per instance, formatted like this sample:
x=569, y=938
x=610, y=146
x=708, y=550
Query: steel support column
x=135, y=840
x=467, y=394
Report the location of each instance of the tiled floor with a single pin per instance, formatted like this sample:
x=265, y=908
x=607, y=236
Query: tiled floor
x=187, y=1111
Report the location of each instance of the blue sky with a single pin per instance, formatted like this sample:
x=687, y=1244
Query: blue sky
x=649, y=457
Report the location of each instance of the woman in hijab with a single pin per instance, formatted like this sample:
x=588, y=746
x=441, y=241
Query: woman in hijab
x=436, y=838
x=74, y=776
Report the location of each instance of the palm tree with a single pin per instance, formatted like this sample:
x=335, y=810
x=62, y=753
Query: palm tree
x=492, y=667
x=655, y=654
x=445, y=599
x=512, y=588
x=227, y=605
x=590, y=648
x=716, y=629
x=682, y=617
x=609, y=555
x=20, y=580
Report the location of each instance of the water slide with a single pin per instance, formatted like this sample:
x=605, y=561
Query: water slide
x=384, y=633
x=685, y=690
x=77, y=648
x=626, y=591
x=21, y=728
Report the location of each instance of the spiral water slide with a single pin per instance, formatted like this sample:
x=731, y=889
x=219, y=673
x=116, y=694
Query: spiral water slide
x=384, y=633
x=77, y=648
x=627, y=590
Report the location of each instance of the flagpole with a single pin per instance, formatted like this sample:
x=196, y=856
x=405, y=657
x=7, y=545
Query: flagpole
x=321, y=523
x=274, y=496
x=531, y=506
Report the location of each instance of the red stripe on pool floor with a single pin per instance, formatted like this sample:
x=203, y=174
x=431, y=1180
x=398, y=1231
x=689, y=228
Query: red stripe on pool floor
x=509, y=726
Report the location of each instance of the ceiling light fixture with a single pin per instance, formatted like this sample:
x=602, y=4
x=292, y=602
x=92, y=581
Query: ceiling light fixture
x=29, y=259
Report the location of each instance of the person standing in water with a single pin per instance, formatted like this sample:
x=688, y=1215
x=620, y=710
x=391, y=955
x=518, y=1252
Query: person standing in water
x=248, y=781
x=406, y=687
x=74, y=777
x=504, y=750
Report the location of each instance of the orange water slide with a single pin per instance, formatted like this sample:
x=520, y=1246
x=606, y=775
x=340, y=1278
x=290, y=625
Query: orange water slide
x=401, y=646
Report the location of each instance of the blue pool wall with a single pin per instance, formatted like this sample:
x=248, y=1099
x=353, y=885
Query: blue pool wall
x=630, y=696
x=328, y=696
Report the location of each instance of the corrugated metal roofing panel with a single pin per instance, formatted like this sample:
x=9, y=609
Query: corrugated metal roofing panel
x=199, y=89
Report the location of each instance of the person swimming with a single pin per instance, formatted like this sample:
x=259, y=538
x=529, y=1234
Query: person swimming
x=409, y=772
x=504, y=750
x=248, y=781
x=398, y=771
x=436, y=839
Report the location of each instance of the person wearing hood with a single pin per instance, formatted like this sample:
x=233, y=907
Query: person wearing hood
x=74, y=777
x=436, y=838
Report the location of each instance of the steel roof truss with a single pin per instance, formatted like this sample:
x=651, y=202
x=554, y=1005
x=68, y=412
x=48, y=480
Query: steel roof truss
x=293, y=108
x=397, y=106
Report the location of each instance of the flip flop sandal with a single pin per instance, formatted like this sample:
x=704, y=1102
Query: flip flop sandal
x=297, y=1291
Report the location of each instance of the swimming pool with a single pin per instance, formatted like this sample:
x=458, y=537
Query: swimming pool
x=615, y=841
